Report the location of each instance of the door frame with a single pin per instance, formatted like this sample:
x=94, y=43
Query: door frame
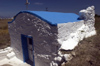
x=25, y=47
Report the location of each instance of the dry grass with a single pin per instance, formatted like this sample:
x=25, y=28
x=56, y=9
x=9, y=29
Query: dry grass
x=4, y=34
x=88, y=51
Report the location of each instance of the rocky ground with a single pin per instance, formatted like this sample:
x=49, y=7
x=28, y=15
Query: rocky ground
x=8, y=58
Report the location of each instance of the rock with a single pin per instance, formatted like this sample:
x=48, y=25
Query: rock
x=53, y=64
x=67, y=57
x=10, y=55
x=87, y=14
x=63, y=64
x=59, y=59
x=73, y=53
x=60, y=54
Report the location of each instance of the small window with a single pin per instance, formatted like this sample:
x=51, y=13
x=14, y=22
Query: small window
x=30, y=41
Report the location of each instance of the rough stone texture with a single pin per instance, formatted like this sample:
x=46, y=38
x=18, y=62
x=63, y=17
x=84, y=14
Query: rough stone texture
x=44, y=38
x=10, y=55
x=70, y=34
x=48, y=38
x=4, y=52
x=65, y=29
x=88, y=16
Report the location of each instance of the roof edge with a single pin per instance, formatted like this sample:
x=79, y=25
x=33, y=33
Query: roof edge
x=32, y=14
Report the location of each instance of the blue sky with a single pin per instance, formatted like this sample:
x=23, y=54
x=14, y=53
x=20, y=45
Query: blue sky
x=9, y=8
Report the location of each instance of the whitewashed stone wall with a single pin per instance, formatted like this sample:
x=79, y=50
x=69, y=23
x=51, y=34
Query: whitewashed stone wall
x=44, y=38
x=65, y=29
x=70, y=34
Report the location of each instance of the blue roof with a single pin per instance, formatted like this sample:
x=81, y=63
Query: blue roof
x=54, y=18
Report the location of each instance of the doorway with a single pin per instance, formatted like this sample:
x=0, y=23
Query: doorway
x=27, y=47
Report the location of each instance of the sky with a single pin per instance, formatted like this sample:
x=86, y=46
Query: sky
x=9, y=8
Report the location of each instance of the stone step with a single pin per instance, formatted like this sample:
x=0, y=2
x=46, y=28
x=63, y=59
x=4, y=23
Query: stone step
x=10, y=55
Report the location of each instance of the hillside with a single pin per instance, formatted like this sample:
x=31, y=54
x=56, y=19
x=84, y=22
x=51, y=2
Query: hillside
x=4, y=34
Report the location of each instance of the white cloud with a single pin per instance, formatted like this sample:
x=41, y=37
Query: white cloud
x=37, y=3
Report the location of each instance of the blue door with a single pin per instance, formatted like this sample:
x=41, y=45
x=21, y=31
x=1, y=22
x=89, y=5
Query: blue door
x=24, y=39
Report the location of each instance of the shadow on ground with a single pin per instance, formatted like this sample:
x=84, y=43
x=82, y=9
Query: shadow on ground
x=6, y=65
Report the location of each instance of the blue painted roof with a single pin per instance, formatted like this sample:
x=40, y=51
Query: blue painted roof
x=54, y=18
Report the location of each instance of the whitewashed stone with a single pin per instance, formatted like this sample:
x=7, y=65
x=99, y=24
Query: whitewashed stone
x=10, y=55
x=67, y=57
x=70, y=37
x=58, y=58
